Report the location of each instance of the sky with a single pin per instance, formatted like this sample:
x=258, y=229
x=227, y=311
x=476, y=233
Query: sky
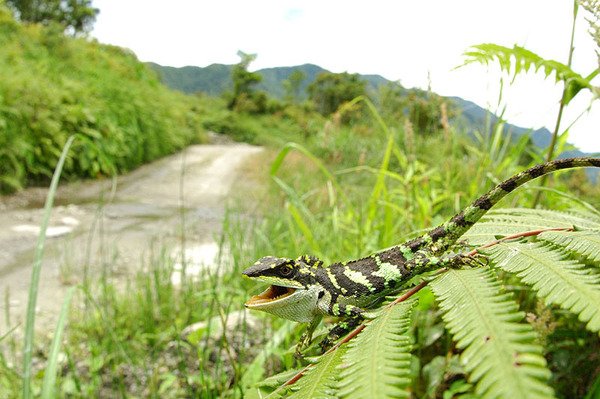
x=418, y=43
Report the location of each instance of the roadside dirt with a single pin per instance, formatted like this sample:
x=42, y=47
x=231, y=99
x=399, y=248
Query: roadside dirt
x=115, y=226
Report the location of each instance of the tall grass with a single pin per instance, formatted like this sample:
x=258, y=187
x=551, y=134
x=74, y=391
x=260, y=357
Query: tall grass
x=340, y=213
x=144, y=337
x=35, y=279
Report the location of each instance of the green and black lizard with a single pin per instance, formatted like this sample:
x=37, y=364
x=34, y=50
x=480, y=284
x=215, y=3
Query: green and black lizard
x=305, y=289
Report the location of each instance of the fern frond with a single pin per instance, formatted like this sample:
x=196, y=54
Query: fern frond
x=499, y=352
x=557, y=279
x=583, y=243
x=518, y=59
x=379, y=357
x=320, y=381
x=504, y=222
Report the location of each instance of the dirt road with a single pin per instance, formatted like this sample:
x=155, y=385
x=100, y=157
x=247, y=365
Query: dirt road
x=114, y=227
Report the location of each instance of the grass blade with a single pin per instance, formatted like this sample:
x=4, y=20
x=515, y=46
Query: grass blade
x=277, y=163
x=35, y=273
x=50, y=373
x=255, y=371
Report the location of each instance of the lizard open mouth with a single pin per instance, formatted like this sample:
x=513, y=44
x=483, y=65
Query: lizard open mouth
x=273, y=293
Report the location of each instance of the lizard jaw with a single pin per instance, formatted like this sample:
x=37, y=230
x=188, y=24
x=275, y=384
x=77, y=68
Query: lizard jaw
x=296, y=303
x=272, y=294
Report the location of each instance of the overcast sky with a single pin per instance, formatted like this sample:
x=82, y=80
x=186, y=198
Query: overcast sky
x=400, y=40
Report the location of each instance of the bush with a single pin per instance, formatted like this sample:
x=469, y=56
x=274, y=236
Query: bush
x=231, y=125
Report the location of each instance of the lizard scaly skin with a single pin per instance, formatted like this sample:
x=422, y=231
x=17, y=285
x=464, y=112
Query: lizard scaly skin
x=305, y=289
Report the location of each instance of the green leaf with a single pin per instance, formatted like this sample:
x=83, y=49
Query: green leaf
x=518, y=59
x=36, y=272
x=271, y=387
x=278, y=162
x=50, y=372
x=499, y=352
x=379, y=357
x=584, y=243
x=504, y=222
x=320, y=381
x=555, y=277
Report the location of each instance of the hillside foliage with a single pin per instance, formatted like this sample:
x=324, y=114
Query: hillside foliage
x=60, y=86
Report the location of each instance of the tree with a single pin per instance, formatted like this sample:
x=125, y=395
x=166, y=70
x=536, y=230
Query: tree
x=293, y=84
x=330, y=90
x=243, y=82
x=427, y=112
x=75, y=15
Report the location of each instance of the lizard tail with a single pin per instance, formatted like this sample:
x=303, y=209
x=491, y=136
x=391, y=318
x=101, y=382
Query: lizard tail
x=448, y=233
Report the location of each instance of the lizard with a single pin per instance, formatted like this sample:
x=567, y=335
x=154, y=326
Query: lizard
x=305, y=289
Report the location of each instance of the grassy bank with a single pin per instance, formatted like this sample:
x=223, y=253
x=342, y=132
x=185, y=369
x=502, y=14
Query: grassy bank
x=56, y=86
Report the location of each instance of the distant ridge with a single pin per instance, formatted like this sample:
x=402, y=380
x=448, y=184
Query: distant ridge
x=215, y=79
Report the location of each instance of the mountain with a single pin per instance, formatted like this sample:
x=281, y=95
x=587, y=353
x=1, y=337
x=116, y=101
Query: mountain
x=215, y=79
x=274, y=77
x=473, y=115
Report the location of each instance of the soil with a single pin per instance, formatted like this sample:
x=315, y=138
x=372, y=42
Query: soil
x=114, y=226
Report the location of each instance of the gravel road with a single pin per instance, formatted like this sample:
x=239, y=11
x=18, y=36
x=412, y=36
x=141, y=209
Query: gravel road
x=114, y=226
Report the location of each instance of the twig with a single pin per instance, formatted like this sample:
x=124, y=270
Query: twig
x=530, y=233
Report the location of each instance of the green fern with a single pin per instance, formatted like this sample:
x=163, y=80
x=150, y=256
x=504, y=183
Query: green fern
x=499, y=352
x=320, y=381
x=582, y=243
x=505, y=222
x=518, y=59
x=555, y=277
x=383, y=370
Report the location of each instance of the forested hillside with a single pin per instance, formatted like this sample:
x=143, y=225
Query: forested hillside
x=54, y=86
x=215, y=80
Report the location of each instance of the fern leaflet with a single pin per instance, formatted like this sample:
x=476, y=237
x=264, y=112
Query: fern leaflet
x=518, y=59
x=561, y=281
x=499, y=352
x=504, y=222
x=379, y=357
x=584, y=243
x=320, y=381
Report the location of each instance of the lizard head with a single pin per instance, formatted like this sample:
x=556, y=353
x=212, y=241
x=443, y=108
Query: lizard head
x=292, y=293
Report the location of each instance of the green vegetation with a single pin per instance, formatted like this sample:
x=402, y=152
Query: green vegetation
x=293, y=86
x=77, y=15
x=364, y=178
x=330, y=90
x=61, y=86
x=244, y=97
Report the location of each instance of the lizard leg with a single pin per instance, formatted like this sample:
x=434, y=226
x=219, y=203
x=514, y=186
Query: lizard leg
x=354, y=316
x=306, y=337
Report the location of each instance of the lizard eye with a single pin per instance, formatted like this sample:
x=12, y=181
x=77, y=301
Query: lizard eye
x=286, y=271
